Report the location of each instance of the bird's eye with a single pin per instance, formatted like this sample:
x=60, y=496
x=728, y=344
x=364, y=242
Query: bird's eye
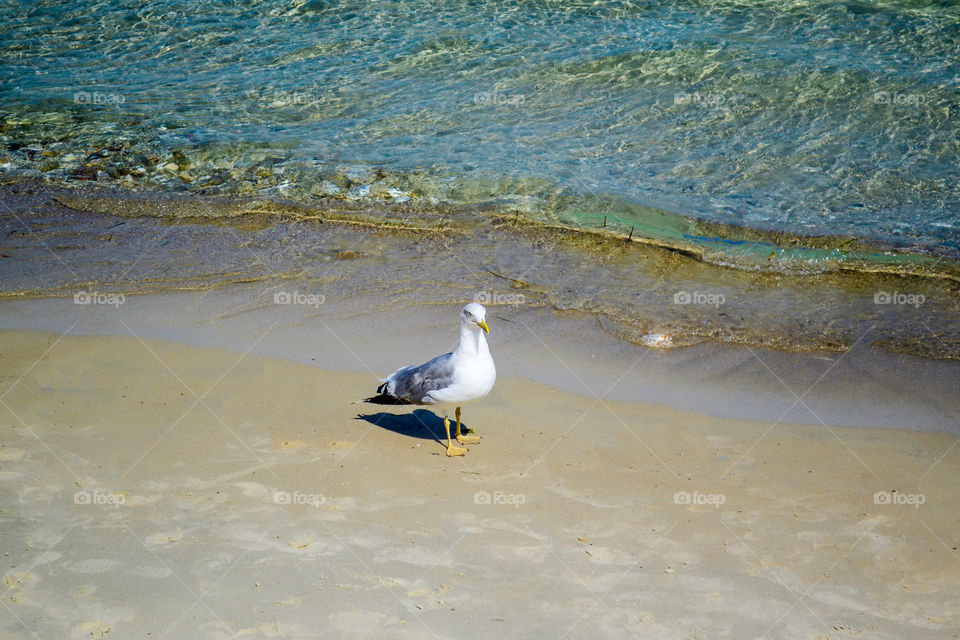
x=469, y=315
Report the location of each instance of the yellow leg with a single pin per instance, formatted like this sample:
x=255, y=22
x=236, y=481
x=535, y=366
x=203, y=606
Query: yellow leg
x=462, y=439
x=451, y=450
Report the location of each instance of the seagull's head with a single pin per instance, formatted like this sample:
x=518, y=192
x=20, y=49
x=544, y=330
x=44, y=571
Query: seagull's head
x=474, y=315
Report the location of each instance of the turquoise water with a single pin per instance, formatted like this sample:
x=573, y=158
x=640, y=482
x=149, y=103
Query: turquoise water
x=800, y=117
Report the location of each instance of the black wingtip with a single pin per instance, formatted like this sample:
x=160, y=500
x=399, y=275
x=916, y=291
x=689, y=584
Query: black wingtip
x=383, y=398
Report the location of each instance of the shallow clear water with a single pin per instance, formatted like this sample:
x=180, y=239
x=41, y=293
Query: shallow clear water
x=803, y=117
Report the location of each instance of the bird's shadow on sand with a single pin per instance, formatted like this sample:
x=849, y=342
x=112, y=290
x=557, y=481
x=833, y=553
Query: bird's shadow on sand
x=421, y=423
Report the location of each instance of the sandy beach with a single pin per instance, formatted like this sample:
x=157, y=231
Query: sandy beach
x=156, y=489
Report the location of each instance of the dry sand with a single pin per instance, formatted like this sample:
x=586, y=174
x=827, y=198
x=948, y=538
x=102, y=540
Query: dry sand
x=155, y=490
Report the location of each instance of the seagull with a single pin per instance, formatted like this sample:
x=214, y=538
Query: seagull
x=465, y=374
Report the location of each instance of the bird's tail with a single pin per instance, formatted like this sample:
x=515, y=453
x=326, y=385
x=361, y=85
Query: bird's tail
x=383, y=398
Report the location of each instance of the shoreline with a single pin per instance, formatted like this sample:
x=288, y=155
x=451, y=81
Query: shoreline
x=633, y=291
x=790, y=254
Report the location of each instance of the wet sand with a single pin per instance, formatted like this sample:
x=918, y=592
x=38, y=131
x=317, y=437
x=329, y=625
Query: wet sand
x=136, y=243
x=155, y=489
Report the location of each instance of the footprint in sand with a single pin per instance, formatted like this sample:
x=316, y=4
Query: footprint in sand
x=807, y=516
x=911, y=586
x=614, y=503
x=163, y=538
x=20, y=580
x=607, y=556
x=350, y=621
x=302, y=543
x=47, y=557
x=9, y=454
x=93, y=629
x=93, y=565
x=254, y=490
x=150, y=572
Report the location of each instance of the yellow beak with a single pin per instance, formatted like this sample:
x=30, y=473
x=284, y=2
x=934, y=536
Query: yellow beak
x=483, y=325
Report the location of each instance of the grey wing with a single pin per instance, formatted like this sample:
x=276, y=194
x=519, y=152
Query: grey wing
x=414, y=383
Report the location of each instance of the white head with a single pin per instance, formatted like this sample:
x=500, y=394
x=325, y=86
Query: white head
x=474, y=316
